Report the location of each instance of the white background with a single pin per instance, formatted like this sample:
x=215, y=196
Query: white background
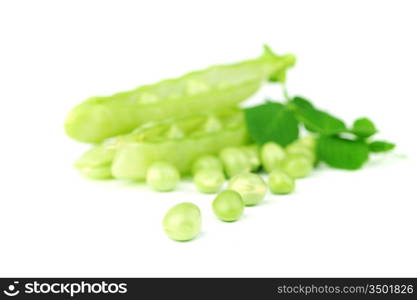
x=355, y=58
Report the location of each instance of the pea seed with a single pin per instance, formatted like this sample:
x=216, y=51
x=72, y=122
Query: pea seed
x=162, y=176
x=272, y=156
x=252, y=153
x=250, y=186
x=297, y=166
x=175, y=132
x=280, y=182
x=209, y=180
x=299, y=149
x=182, y=222
x=228, y=206
x=308, y=141
x=212, y=124
x=235, y=161
x=207, y=162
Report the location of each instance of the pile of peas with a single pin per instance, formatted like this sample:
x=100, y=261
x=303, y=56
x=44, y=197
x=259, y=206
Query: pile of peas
x=245, y=188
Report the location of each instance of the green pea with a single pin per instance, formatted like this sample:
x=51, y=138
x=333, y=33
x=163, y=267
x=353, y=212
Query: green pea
x=209, y=180
x=96, y=162
x=252, y=153
x=297, y=166
x=148, y=144
x=228, y=206
x=308, y=141
x=182, y=222
x=280, y=182
x=250, y=186
x=272, y=156
x=212, y=124
x=175, y=132
x=234, y=161
x=299, y=149
x=162, y=176
x=206, y=162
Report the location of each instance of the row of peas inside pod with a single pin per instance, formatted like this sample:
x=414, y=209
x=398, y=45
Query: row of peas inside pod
x=178, y=141
x=245, y=187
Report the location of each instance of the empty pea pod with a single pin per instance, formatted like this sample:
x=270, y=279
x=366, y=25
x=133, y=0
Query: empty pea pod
x=214, y=88
x=137, y=151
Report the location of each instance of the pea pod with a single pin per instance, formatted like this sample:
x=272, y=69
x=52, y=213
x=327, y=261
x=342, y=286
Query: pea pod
x=151, y=143
x=214, y=88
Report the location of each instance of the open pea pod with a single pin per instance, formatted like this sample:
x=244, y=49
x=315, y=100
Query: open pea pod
x=178, y=142
x=214, y=88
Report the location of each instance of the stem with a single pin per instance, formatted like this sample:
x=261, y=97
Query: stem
x=285, y=92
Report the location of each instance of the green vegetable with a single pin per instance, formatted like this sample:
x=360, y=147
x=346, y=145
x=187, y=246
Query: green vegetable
x=228, y=206
x=209, y=180
x=207, y=162
x=96, y=162
x=253, y=155
x=381, y=146
x=162, y=176
x=250, y=186
x=277, y=76
x=363, y=128
x=342, y=153
x=174, y=132
x=137, y=151
x=297, y=166
x=235, y=161
x=308, y=141
x=272, y=156
x=182, y=222
x=217, y=87
x=271, y=122
x=280, y=182
x=299, y=149
x=316, y=120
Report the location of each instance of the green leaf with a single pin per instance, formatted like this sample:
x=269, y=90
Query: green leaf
x=316, y=120
x=271, y=121
x=342, y=153
x=302, y=103
x=363, y=128
x=381, y=146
